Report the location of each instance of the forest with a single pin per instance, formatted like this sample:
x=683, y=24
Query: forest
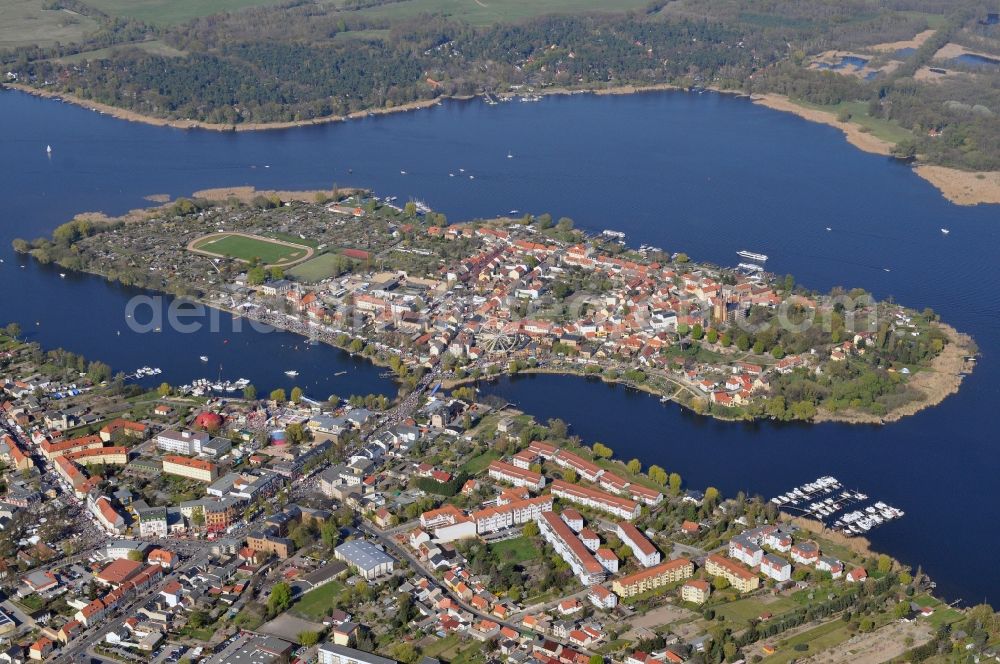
x=305, y=60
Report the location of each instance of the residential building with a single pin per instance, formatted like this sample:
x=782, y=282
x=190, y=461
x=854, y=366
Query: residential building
x=571, y=549
x=596, y=499
x=196, y=469
x=654, y=577
x=696, y=591
x=182, y=442
x=642, y=548
x=506, y=472
x=775, y=567
x=739, y=577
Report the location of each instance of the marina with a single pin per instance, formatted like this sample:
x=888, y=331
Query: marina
x=203, y=386
x=826, y=500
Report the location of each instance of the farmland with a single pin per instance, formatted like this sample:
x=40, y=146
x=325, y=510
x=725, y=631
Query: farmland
x=488, y=12
x=25, y=22
x=172, y=12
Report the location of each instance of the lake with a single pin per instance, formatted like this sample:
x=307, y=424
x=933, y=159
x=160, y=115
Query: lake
x=706, y=174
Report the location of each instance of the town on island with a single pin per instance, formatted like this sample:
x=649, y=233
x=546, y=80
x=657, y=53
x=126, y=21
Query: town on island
x=207, y=522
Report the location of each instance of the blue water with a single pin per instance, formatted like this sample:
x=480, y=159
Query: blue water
x=846, y=61
x=705, y=174
x=978, y=61
x=904, y=53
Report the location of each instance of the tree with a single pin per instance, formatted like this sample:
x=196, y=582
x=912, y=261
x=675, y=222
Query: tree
x=596, y=659
x=603, y=451
x=743, y=342
x=278, y=395
x=410, y=209
x=557, y=428
x=280, y=598
x=256, y=276
x=136, y=555
x=277, y=273
x=296, y=394
x=12, y=330
x=404, y=652
x=164, y=389
x=697, y=332
x=634, y=466
x=720, y=583
x=569, y=475
x=675, y=483
x=198, y=517
x=658, y=475
x=250, y=393
x=884, y=564
x=308, y=639
x=530, y=529
x=758, y=347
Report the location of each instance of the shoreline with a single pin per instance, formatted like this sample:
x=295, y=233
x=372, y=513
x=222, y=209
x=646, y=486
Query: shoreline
x=957, y=186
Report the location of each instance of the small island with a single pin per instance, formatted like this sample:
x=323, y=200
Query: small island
x=475, y=300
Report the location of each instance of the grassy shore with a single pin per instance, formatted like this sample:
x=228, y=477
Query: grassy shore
x=879, y=137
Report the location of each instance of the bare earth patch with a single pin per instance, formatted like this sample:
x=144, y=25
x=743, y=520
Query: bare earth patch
x=963, y=187
x=916, y=42
x=879, y=646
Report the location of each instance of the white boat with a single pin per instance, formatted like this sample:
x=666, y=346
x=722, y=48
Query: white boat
x=828, y=228
x=62, y=275
x=402, y=172
x=48, y=149
x=945, y=231
x=292, y=372
x=203, y=358
x=752, y=255
x=510, y=156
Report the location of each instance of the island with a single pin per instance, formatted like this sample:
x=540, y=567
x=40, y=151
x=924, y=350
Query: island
x=470, y=301
x=145, y=524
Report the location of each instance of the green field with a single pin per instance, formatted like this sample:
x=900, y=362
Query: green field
x=887, y=130
x=172, y=12
x=743, y=610
x=487, y=12
x=24, y=22
x=316, y=269
x=249, y=248
x=478, y=464
x=152, y=46
x=517, y=550
x=317, y=603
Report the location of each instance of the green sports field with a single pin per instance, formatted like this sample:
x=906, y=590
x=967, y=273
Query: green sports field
x=249, y=248
x=319, y=268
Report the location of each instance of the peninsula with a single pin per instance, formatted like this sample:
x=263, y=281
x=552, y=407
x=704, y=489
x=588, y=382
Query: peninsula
x=475, y=300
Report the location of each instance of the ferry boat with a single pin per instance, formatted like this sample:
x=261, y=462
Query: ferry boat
x=752, y=255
